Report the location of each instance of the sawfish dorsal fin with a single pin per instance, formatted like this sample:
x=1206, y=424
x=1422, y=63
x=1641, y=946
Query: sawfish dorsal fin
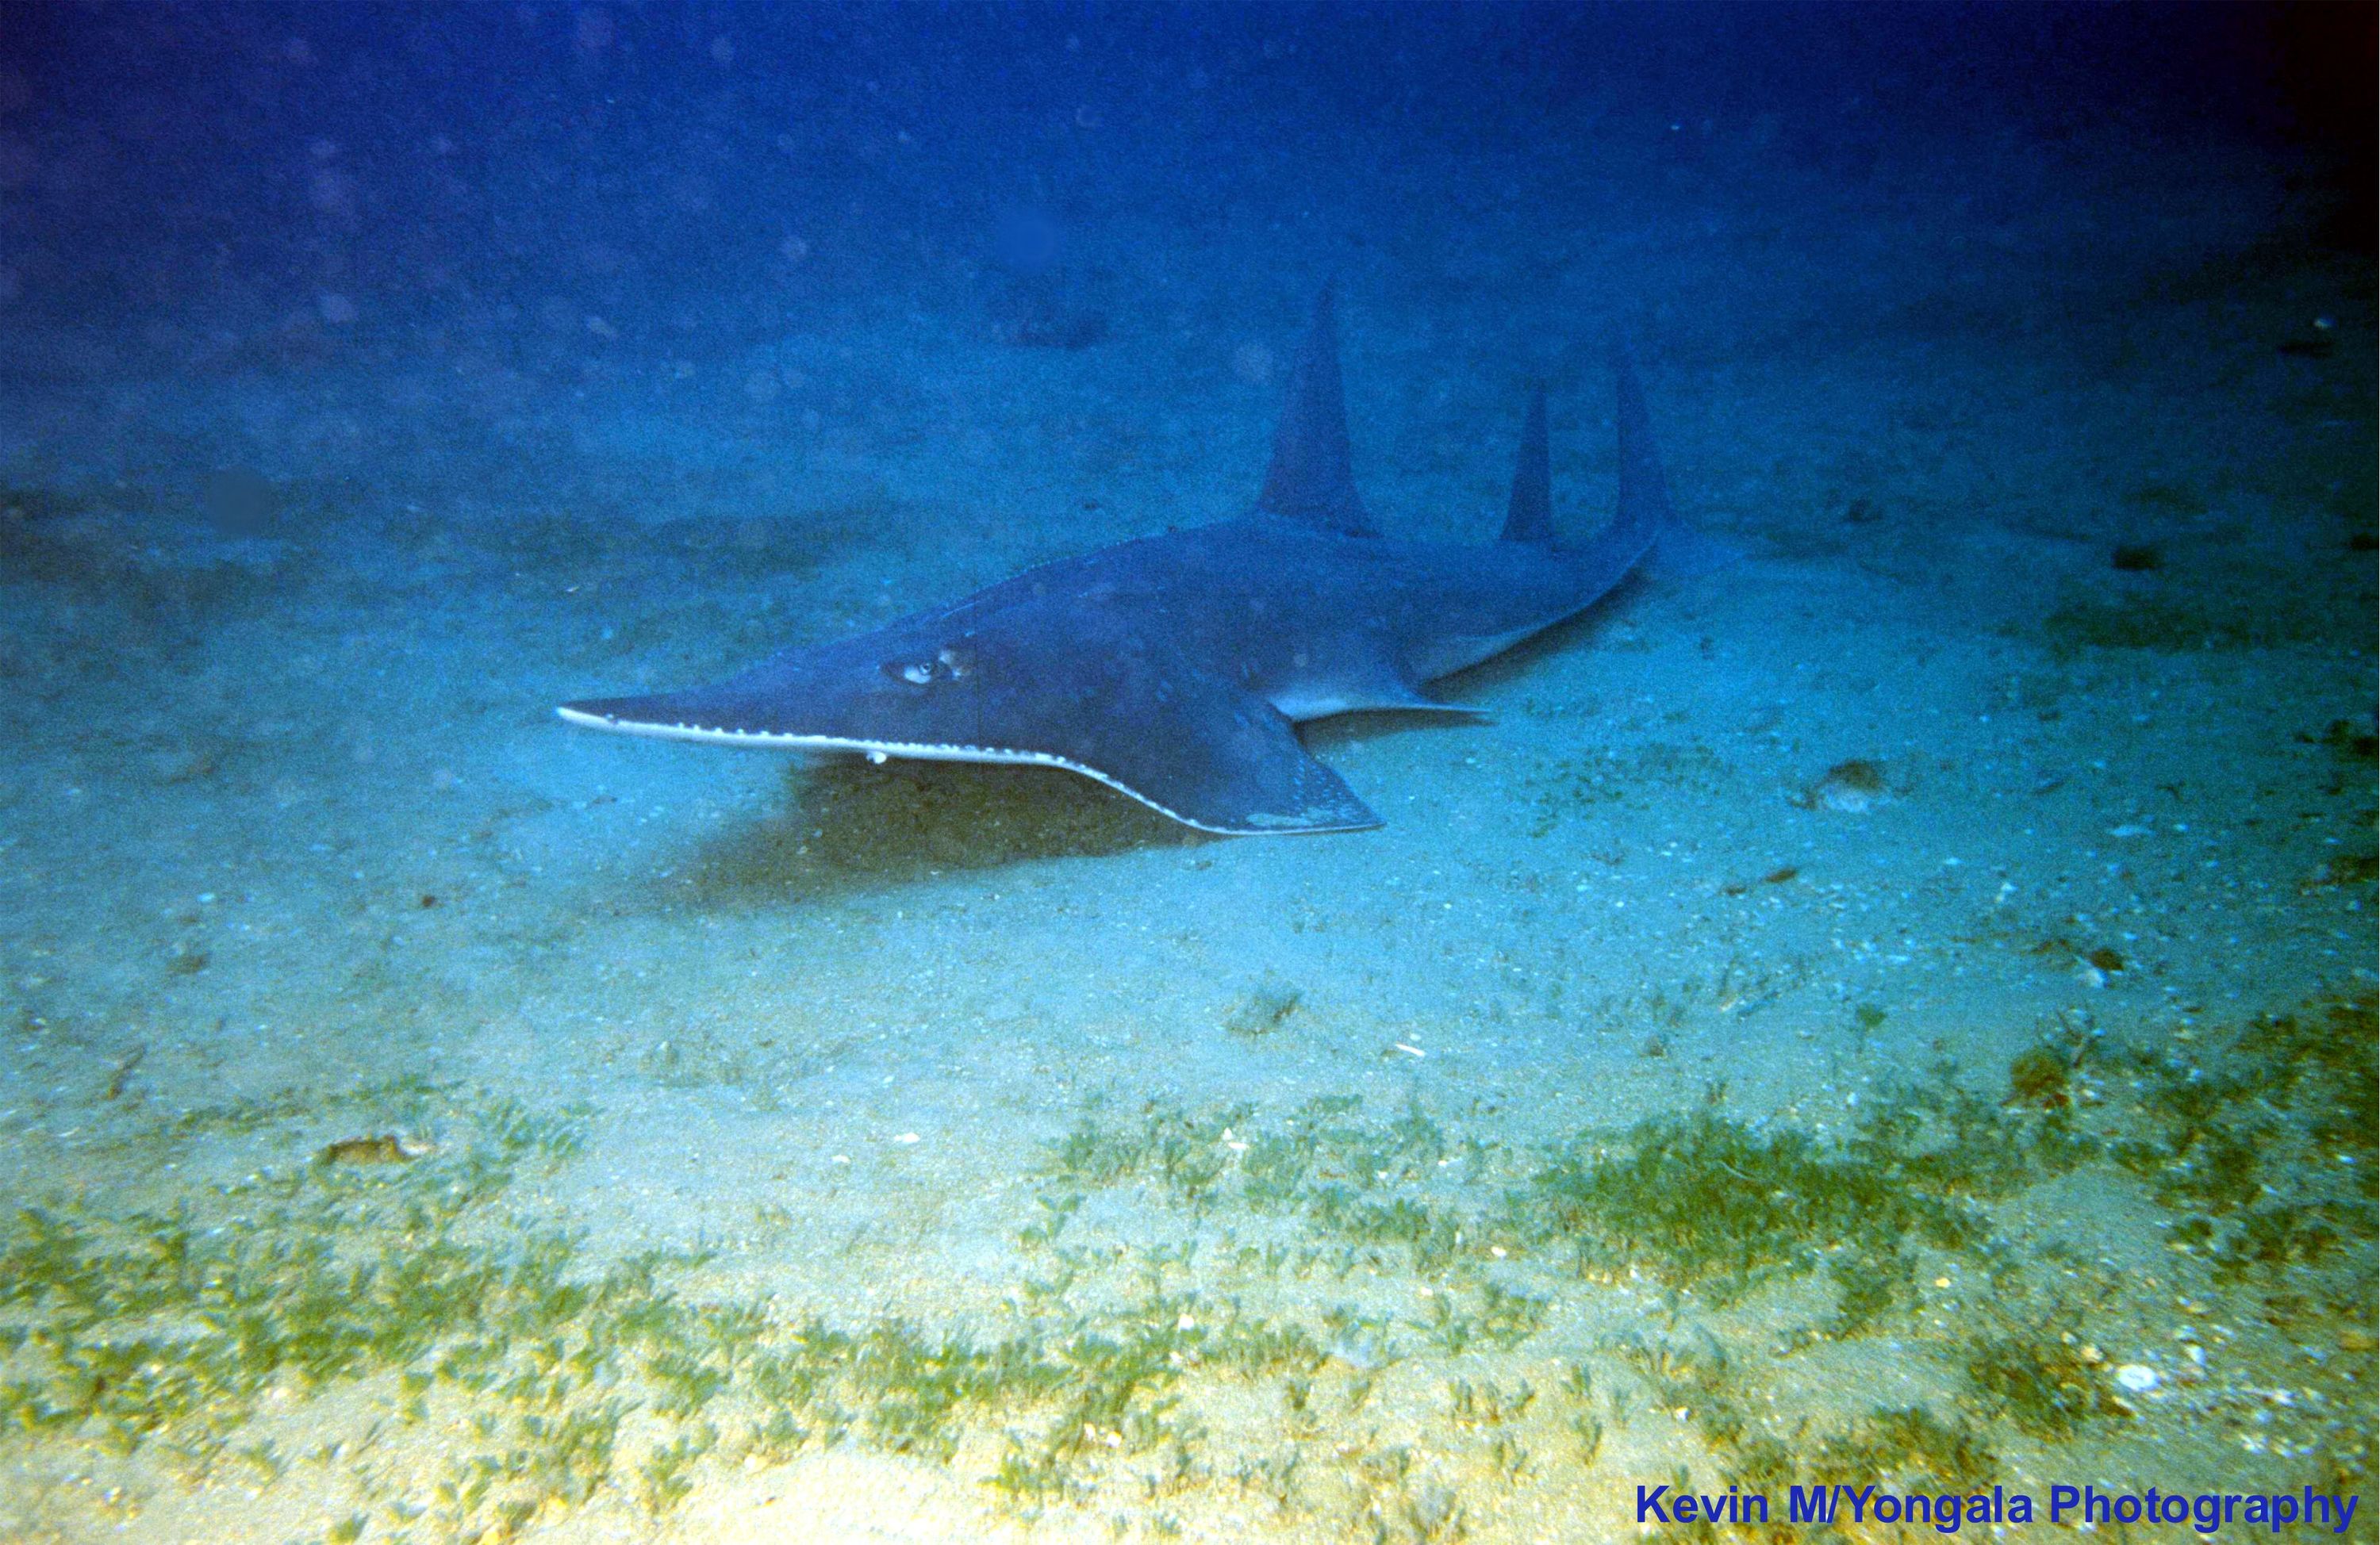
x=1311, y=479
x=1531, y=516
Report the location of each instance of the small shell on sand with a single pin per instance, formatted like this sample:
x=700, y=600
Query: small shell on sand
x=1853, y=788
x=388, y=1148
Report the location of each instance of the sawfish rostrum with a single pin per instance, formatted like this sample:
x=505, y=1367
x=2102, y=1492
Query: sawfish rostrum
x=1174, y=667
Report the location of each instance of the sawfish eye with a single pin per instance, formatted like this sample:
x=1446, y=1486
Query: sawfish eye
x=948, y=665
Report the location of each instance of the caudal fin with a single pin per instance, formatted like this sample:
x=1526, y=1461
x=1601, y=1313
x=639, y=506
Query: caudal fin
x=1643, y=506
x=1645, y=518
x=1644, y=532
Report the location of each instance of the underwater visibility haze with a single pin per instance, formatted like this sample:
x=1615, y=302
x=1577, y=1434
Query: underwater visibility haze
x=1801, y=578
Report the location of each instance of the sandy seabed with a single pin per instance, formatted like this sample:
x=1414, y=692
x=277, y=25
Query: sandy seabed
x=1895, y=1010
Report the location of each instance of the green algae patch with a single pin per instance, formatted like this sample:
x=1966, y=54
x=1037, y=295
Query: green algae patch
x=1913, y=1446
x=129, y=1327
x=500, y=1377
x=1707, y=1203
x=2264, y=1141
x=2039, y=1382
x=510, y=1378
x=1704, y=1201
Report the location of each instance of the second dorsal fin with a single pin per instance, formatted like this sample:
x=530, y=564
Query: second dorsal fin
x=1531, y=516
x=1310, y=479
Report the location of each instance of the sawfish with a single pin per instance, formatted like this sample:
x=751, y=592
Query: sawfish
x=1176, y=667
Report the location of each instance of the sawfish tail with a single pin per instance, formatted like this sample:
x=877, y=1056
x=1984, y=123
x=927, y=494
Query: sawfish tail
x=1644, y=529
x=1644, y=522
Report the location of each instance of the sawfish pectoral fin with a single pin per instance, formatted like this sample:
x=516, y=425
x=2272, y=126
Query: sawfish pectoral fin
x=1202, y=751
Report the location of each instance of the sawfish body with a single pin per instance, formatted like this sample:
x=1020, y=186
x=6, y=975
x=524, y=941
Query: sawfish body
x=1173, y=667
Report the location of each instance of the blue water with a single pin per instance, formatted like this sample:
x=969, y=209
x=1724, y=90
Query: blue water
x=426, y=1121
